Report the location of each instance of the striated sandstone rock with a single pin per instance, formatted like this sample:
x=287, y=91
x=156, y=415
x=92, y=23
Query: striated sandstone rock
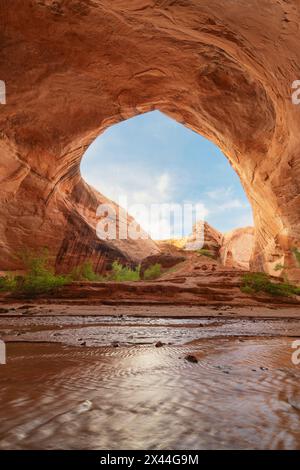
x=237, y=248
x=205, y=237
x=72, y=68
x=234, y=249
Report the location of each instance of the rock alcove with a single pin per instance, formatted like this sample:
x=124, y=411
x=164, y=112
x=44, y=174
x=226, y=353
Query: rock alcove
x=73, y=68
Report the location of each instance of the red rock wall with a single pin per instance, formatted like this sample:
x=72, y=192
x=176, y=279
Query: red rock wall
x=72, y=68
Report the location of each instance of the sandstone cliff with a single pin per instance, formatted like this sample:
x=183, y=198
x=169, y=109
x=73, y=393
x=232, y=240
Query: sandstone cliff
x=73, y=68
x=233, y=249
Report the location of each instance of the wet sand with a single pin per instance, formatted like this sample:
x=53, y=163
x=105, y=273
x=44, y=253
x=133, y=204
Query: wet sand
x=78, y=380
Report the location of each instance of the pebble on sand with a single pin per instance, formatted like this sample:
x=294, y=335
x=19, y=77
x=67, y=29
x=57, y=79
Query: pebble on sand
x=191, y=358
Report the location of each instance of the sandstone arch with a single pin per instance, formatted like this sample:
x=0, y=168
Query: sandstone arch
x=73, y=68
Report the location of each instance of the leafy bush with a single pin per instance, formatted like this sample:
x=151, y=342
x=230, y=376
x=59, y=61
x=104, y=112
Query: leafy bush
x=34, y=284
x=123, y=273
x=119, y=273
x=260, y=282
x=205, y=252
x=153, y=272
x=85, y=272
x=38, y=279
x=8, y=283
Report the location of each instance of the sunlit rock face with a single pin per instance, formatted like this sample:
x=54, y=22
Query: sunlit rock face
x=72, y=68
x=233, y=249
x=204, y=237
x=237, y=248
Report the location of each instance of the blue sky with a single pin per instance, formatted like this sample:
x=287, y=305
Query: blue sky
x=152, y=159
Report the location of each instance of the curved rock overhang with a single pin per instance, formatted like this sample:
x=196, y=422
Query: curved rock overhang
x=73, y=68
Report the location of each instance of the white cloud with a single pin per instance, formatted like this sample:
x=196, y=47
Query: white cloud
x=245, y=220
x=163, y=184
x=226, y=210
x=136, y=184
x=224, y=199
x=140, y=192
x=220, y=193
x=231, y=204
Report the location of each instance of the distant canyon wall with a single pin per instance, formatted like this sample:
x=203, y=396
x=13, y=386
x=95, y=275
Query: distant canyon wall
x=233, y=249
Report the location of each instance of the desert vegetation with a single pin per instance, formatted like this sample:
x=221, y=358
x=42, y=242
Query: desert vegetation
x=118, y=273
x=253, y=283
x=296, y=252
x=207, y=253
x=122, y=273
x=153, y=272
x=40, y=277
x=85, y=272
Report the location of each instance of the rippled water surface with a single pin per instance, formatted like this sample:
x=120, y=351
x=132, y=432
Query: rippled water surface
x=127, y=330
x=243, y=393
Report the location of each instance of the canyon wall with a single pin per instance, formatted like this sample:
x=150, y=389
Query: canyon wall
x=237, y=248
x=73, y=68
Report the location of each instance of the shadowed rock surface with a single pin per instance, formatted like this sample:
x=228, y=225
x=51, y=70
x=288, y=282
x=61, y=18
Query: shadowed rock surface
x=165, y=260
x=204, y=236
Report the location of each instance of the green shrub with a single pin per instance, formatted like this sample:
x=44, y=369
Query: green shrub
x=8, y=283
x=260, y=282
x=122, y=273
x=119, y=273
x=34, y=284
x=88, y=272
x=153, y=272
x=39, y=277
x=205, y=252
x=296, y=252
x=85, y=272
